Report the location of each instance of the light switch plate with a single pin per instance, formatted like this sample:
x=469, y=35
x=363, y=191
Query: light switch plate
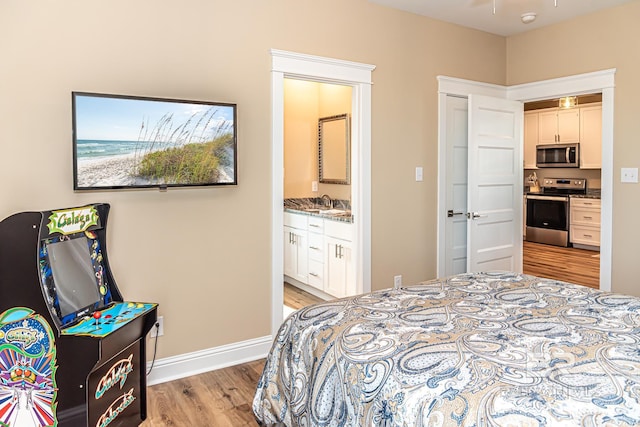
x=419, y=173
x=629, y=175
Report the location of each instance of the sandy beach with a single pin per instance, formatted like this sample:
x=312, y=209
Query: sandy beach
x=109, y=171
x=118, y=171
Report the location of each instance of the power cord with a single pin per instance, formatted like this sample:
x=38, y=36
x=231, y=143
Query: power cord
x=155, y=347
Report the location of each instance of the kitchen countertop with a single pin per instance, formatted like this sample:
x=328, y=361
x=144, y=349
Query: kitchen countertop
x=591, y=194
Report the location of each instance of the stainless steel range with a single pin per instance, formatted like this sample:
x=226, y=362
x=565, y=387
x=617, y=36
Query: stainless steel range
x=548, y=210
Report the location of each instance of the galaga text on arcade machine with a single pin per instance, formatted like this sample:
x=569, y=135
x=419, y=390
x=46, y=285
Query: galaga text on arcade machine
x=72, y=352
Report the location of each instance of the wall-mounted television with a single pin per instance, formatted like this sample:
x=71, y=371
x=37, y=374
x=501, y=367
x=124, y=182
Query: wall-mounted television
x=139, y=142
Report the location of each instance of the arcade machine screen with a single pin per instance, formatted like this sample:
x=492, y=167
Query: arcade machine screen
x=73, y=277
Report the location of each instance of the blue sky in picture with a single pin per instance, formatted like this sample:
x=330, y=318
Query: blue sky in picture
x=111, y=118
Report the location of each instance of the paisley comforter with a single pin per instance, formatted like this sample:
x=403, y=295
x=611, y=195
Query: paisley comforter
x=470, y=350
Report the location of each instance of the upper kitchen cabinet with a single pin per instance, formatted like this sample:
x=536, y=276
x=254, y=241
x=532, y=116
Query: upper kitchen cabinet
x=591, y=136
x=575, y=125
x=530, y=138
x=557, y=126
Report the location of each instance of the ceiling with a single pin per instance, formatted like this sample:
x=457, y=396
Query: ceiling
x=507, y=21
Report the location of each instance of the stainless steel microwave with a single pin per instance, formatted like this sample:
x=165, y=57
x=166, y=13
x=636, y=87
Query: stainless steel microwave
x=558, y=155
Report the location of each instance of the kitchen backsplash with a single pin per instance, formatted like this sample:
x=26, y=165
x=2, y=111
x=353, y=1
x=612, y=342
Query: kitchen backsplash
x=593, y=176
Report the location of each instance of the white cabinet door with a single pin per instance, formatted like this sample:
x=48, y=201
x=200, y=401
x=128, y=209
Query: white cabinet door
x=338, y=268
x=295, y=254
x=530, y=139
x=591, y=137
x=559, y=126
x=569, y=125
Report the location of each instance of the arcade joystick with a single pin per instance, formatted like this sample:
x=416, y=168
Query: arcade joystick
x=97, y=315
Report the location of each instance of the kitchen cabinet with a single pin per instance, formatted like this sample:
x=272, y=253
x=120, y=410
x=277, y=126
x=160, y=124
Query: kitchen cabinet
x=530, y=138
x=557, y=126
x=296, y=259
x=584, y=222
x=591, y=136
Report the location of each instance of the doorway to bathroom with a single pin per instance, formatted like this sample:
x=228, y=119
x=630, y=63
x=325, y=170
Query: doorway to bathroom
x=317, y=191
x=357, y=76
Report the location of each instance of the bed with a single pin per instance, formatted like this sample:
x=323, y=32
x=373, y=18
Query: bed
x=489, y=349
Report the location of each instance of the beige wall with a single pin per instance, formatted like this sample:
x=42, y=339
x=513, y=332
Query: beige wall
x=608, y=39
x=304, y=103
x=204, y=254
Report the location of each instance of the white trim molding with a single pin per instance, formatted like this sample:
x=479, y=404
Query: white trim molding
x=598, y=81
x=325, y=70
x=198, y=362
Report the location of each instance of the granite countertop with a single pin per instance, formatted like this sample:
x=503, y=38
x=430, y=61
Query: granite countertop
x=340, y=211
x=593, y=193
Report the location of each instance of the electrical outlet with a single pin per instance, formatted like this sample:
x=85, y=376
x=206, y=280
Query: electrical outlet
x=397, y=281
x=629, y=175
x=314, y=186
x=159, y=329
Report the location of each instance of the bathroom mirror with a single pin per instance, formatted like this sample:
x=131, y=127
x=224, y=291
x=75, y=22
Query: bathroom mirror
x=334, y=149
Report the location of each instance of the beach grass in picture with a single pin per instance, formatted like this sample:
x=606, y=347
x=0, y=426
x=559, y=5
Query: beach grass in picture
x=125, y=141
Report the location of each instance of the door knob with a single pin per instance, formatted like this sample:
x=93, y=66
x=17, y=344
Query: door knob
x=451, y=213
x=474, y=215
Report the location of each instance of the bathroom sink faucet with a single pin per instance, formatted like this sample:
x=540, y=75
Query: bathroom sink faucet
x=326, y=201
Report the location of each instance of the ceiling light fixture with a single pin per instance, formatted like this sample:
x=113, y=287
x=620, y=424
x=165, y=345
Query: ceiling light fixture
x=568, y=102
x=555, y=4
x=528, y=17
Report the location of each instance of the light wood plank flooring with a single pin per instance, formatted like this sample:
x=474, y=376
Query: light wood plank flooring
x=219, y=398
x=297, y=298
x=567, y=264
x=223, y=398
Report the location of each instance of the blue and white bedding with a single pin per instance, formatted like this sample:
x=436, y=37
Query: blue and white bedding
x=469, y=350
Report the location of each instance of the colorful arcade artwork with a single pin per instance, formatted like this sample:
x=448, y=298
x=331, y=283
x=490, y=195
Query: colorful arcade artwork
x=27, y=370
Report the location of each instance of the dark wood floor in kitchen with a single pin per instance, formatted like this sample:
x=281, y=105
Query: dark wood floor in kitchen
x=567, y=264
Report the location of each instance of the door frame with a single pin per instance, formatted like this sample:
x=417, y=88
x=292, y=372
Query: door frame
x=598, y=81
x=323, y=70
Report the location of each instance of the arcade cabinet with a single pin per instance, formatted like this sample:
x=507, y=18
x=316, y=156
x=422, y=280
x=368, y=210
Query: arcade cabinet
x=72, y=351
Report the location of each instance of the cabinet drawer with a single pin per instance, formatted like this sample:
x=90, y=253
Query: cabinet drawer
x=338, y=229
x=295, y=220
x=316, y=224
x=585, y=235
x=585, y=216
x=316, y=270
x=580, y=202
x=316, y=247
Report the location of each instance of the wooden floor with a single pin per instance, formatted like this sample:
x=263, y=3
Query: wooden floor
x=297, y=298
x=220, y=398
x=567, y=264
x=223, y=398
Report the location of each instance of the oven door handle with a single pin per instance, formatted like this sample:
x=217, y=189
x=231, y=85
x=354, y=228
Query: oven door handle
x=551, y=198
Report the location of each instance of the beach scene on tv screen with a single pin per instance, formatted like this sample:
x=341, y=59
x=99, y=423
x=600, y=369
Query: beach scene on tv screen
x=122, y=142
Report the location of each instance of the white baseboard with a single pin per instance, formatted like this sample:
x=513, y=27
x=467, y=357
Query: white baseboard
x=197, y=362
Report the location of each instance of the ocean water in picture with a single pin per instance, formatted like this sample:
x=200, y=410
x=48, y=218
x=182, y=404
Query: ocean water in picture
x=93, y=148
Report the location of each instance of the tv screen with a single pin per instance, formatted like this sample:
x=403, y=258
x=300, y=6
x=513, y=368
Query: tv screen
x=138, y=142
x=73, y=275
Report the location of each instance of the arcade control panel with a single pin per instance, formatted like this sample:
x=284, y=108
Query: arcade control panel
x=106, y=321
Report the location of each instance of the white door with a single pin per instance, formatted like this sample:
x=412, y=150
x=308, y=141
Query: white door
x=456, y=186
x=494, y=193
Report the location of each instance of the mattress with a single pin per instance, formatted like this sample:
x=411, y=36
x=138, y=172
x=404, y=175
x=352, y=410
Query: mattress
x=488, y=349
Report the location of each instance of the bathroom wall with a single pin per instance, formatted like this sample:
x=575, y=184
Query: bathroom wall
x=304, y=103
